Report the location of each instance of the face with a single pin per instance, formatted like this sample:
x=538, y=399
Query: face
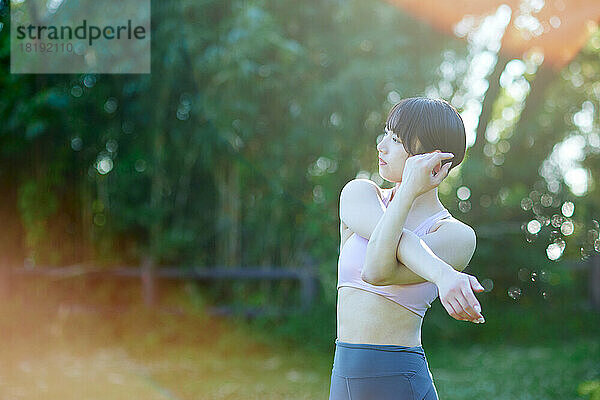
x=392, y=152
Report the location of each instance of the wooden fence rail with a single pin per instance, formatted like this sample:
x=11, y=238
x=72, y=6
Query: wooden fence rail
x=149, y=277
x=307, y=277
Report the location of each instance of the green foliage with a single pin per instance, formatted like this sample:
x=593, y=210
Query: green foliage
x=590, y=389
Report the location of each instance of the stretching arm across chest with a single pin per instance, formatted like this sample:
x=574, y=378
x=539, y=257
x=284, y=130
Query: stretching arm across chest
x=393, y=260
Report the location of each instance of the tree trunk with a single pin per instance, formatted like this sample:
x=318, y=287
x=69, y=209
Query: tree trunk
x=229, y=215
x=488, y=103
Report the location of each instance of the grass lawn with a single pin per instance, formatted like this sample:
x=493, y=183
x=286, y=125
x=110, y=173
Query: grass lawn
x=504, y=371
x=53, y=349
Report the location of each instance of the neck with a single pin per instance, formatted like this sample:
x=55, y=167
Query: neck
x=426, y=204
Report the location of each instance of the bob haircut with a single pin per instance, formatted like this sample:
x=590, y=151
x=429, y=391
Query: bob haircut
x=425, y=124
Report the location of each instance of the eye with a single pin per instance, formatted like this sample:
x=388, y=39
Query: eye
x=394, y=138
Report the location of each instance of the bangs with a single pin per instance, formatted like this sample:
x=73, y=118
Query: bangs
x=403, y=120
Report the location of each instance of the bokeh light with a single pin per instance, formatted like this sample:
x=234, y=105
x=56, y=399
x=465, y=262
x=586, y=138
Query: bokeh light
x=104, y=165
x=534, y=226
x=555, y=250
x=463, y=193
x=567, y=209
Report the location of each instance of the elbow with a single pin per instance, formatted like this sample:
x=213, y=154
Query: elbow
x=368, y=273
x=375, y=270
x=366, y=277
x=372, y=278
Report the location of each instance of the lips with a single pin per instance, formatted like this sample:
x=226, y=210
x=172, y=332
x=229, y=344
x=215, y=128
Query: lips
x=381, y=162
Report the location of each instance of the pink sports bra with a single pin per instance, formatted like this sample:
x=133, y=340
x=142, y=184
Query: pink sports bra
x=416, y=297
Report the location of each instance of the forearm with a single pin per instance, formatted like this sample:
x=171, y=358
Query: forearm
x=416, y=255
x=402, y=275
x=417, y=264
x=381, y=260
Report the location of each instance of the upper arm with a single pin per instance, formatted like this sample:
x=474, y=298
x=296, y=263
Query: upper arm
x=361, y=206
x=454, y=242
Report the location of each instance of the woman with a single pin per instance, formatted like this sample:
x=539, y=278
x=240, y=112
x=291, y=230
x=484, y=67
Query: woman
x=400, y=249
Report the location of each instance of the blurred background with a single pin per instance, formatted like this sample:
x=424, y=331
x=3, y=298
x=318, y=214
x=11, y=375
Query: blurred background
x=175, y=235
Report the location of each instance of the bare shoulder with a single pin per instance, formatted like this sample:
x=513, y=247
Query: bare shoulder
x=360, y=187
x=453, y=241
x=454, y=224
x=361, y=206
x=457, y=230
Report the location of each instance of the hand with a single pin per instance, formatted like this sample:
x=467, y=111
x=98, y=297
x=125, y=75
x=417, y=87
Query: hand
x=423, y=172
x=457, y=297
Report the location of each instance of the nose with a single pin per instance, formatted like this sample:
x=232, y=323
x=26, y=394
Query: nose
x=381, y=146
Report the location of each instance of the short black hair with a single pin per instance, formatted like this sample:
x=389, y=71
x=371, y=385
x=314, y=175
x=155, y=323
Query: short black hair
x=434, y=122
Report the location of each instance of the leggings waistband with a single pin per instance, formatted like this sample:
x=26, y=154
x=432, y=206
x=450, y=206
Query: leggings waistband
x=382, y=347
x=357, y=360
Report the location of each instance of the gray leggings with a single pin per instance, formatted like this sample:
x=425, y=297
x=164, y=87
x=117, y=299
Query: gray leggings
x=380, y=372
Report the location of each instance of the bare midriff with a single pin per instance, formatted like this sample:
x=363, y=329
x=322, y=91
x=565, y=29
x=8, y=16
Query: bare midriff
x=366, y=317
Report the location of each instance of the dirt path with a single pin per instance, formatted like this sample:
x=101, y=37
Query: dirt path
x=105, y=373
x=72, y=352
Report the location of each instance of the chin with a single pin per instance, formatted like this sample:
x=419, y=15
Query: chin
x=388, y=178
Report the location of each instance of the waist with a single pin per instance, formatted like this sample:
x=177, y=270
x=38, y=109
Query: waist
x=370, y=360
x=369, y=318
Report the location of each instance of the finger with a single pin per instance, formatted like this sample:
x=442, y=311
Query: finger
x=475, y=284
x=450, y=310
x=436, y=158
x=438, y=165
x=428, y=156
x=473, y=306
x=442, y=174
x=432, y=154
x=458, y=308
x=473, y=314
x=438, y=152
